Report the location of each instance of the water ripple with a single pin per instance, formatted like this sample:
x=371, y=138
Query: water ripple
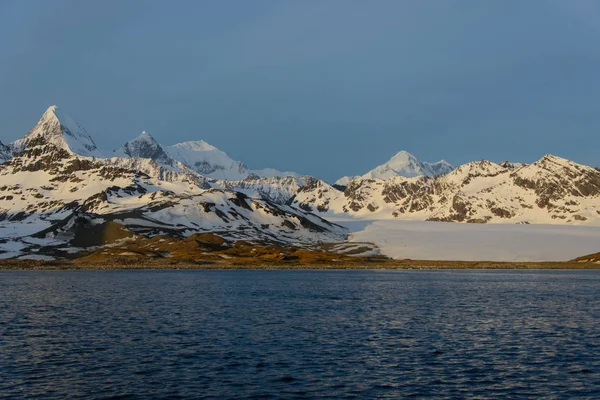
x=299, y=334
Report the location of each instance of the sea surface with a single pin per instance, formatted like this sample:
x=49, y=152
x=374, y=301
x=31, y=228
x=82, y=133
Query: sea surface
x=299, y=334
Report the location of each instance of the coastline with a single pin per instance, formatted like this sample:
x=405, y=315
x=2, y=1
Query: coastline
x=119, y=264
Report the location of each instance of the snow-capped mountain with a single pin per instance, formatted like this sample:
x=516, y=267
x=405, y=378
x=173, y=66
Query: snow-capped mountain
x=407, y=165
x=551, y=190
x=207, y=160
x=61, y=131
x=55, y=180
x=402, y=164
x=194, y=156
x=145, y=146
x=438, y=168
x=145, y=154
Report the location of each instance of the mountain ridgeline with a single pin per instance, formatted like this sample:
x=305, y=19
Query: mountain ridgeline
x=57, y=187
x=551, y=190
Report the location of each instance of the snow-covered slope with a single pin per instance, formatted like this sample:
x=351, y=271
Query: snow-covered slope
x=211, y=162
x=421, y=240
x=276, y=189
x=207, y=160
x=345, y=180
x=552, y=190
x=61, y=131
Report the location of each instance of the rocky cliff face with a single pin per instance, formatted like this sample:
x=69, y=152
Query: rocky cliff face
x=5, y=152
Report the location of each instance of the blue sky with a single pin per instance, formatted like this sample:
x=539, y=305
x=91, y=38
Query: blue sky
x=322, y=87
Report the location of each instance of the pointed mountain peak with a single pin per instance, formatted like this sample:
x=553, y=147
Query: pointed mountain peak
x=51, y=112
x=407, y=165
x=552, y=157
x=145, y=146
x=53, y=115
x=401, y=160
x=62, y=131
x=48, y=124
x=146, y=136
x=553, y=160
x=402, y=156
x=441, y=167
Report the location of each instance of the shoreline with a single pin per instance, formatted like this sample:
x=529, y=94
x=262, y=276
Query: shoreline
x=64, y=265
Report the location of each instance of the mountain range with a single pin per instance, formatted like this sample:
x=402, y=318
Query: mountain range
x=551, y=190
x=59, y=193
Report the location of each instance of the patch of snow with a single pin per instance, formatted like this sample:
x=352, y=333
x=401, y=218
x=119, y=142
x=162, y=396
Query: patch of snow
x=39, y=257
x=345, y=180
x=421, y=240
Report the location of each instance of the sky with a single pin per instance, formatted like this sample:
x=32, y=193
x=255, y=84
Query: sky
x=321, y=87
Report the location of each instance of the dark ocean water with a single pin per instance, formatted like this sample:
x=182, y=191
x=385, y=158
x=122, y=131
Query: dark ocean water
x=300, y=334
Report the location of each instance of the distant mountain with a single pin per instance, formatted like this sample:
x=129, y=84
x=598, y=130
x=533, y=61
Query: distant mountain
x=197, y=156
x=61, y=131
x=145, y=154
x=207, y=160
x=552, y=190
x=145, y=146
x=402, y=164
